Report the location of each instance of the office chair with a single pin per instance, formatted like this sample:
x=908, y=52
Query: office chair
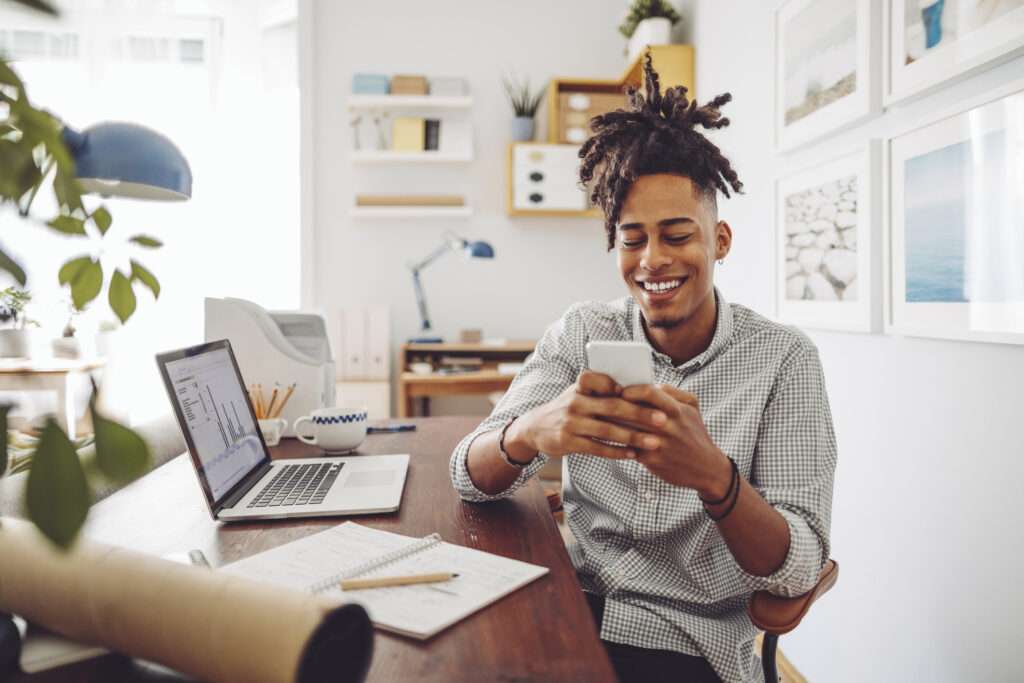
x=772, y=614
x=775, y=615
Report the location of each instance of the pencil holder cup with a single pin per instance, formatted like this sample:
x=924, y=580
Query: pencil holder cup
x=272, y=429
x=335, y=430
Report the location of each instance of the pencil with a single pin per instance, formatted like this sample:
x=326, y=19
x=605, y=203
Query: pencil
x=270, y=406
x=260, y=411
x=385, y=581
x=287, y=395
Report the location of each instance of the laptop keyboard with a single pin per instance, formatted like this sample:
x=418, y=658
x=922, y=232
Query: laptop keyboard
x=298, y=485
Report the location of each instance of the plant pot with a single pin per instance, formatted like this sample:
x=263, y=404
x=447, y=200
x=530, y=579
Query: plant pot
x=522, y=129
x=654, y=31
x=16, y=343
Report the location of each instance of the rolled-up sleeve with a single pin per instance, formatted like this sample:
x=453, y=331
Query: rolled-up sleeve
x=793, y=468
x=553, y=366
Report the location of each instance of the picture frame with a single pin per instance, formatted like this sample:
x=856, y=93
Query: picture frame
x=953, y=223
x=915, y=67
x=829, y=243
x=825, y=78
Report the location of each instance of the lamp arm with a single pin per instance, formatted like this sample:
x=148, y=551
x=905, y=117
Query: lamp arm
x=421, y=299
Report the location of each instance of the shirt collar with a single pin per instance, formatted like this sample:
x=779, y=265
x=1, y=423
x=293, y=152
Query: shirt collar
x=723, y=333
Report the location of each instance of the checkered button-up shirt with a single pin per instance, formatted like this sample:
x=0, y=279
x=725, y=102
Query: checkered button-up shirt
x=669, y=580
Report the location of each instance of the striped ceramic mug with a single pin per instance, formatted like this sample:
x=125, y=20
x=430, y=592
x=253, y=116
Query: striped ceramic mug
x=336, y=430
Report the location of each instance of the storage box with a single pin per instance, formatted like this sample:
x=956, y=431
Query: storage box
x=408, y=85
x=575, y=109
x=444, y=86
x=369, y=84
x=544, y=177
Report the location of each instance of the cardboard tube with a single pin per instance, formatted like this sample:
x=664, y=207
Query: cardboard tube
x=207, y=624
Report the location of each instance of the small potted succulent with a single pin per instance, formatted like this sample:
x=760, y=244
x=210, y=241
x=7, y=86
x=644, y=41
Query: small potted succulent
x=525, y=104
x=648, y=22
x=16, y=337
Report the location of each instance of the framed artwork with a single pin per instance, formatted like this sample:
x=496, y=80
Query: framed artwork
x=934, y=41
x=826, y=67
x=956, y=224
x=828, y=256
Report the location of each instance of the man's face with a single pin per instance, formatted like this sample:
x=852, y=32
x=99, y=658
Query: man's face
x=667, y=240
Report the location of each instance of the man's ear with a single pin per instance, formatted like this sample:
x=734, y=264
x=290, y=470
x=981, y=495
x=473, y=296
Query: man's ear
x=723, y=239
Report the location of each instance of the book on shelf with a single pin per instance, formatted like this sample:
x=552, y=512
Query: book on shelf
x=409, y=200
x=432, y=135
x=407, y=134
x=461, y=362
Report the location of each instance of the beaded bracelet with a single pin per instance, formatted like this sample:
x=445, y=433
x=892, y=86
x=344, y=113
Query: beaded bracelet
x=504, y=454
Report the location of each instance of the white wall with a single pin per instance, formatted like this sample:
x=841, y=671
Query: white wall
x=542, y=265
x=927, y=525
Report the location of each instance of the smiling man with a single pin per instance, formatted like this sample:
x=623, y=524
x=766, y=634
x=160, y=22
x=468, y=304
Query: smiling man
x=721, y=482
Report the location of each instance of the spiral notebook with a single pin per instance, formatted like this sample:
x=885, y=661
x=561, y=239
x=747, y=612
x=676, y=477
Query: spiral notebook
x=317, y=563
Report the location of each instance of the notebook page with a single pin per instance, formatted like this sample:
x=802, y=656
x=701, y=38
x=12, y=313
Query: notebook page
x=419, y=610
x=300, y=564
x=424, y=609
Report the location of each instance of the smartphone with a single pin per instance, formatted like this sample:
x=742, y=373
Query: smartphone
x=627, y=363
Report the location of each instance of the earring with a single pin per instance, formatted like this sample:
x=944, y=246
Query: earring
x=721, y=261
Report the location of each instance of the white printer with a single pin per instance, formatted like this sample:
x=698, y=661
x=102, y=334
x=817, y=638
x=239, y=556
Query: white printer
x=277, y=348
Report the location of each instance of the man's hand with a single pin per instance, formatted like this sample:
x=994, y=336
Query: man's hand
x=591, y=409
x=685, y=454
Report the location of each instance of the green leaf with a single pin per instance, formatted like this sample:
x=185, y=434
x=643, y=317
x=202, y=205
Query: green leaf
x=70, y=270
x=147, y=278
x=40, y=6
x=121, y=454
x=57, y=496
x=3, y=437
x=67, y=189
x=68, y=225
x=8, y=77
x=87, y=284
x=102, y=218
x=146, y=241
x=121, y=296
x=8, y=264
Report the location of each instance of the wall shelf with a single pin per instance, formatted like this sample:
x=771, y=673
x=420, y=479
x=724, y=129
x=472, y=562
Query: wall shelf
x=411, y=211
x=378, y=156
x=362, y=102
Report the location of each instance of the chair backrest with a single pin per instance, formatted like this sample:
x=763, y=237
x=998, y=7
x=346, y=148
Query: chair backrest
x=777, y=615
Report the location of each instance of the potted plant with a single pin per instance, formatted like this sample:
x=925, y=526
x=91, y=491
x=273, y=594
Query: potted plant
x=648, y=22
x=15, y=338
x=36, y=157
x=525, y=104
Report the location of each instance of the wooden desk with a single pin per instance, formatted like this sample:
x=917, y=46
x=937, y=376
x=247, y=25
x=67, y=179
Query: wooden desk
x=412, y=386
x=542, y=632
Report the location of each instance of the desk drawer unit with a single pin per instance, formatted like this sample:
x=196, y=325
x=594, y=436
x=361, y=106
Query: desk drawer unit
x=544, y=177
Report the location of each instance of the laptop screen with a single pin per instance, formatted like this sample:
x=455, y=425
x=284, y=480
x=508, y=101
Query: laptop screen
x=214, y=409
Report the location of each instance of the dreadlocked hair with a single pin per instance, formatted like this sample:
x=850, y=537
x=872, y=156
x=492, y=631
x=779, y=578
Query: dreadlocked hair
x=654, y=134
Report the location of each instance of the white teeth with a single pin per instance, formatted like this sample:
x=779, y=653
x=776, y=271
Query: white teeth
x=661, y=286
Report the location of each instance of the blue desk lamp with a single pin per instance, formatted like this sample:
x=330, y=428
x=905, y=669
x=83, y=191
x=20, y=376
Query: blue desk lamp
x=128, y=160
x=452, y=242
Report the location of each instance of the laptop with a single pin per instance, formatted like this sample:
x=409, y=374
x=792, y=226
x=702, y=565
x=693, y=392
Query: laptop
x=232, y=462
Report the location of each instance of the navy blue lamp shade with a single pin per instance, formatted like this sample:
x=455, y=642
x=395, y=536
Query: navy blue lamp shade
x=479, y=250
x=128, y=160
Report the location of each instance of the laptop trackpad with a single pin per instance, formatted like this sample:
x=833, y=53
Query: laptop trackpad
x=363, y=478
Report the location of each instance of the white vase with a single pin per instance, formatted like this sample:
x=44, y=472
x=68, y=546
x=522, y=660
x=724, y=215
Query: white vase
x=16, y=343
x=654, y=31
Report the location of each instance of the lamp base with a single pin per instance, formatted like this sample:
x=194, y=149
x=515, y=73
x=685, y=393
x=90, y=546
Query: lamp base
x=426, y=340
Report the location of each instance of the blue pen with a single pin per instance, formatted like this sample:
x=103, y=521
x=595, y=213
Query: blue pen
x=390, y=429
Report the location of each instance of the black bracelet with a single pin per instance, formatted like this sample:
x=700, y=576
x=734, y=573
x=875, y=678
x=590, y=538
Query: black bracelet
x=728, y=490
x=735, y=492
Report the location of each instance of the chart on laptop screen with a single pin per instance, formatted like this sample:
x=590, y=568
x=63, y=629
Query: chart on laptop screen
x=219, y=422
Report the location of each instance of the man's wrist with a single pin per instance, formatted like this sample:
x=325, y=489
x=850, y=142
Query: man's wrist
x=517, y=443
x=717, y=485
